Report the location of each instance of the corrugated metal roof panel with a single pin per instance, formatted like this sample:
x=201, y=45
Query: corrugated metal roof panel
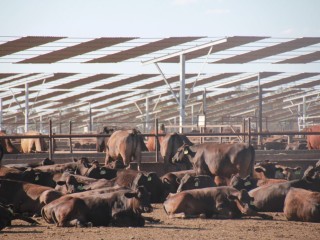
x=125, y=81
x=289, y=79
x=144, y=49
x=307, y=58
x=76, y=50
x=231, y=43
x=24, y=43
x=272, y=50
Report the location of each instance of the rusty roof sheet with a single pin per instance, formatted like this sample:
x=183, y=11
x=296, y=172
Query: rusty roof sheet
x=126, y=81
x=24, y=43
x=307, y=58
x=288, y=79
x=144, y=49
x=76, y=50
x=230, y=43
x=272, y=50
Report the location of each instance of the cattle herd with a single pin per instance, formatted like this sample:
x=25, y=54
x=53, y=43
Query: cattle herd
x=219, y=181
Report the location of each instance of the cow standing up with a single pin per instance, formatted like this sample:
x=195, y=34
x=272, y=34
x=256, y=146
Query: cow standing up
x=126, y=145
x=8, y=147
x=313, y=141
x=220, y=161
x=103, y=141
x=170, y=145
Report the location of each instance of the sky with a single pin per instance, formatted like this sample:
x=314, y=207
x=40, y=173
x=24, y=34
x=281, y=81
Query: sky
x=160, y=18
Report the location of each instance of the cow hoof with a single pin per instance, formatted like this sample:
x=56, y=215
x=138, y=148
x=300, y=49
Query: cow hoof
x=89, y=224
x=203, y=216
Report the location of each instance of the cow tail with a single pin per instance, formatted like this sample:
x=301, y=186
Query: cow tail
x=252, y=160
x=44, y=216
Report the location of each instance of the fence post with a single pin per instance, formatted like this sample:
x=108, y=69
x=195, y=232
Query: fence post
x=244, y=130
x=156, y=139
x=249, y=130
x=50, y=140
x=70, y=139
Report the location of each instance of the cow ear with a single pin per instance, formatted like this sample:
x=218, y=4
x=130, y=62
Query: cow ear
x=232, y=197
x=259, y=169
x=130, y=194
x=178, y=180
x=60, y=183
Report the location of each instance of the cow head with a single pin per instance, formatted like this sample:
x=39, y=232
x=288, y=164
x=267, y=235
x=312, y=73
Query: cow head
x=69, y=185
x=137, y=200
x=241, y=183
x=242, y=200
x=288, y=173
x=182, y=155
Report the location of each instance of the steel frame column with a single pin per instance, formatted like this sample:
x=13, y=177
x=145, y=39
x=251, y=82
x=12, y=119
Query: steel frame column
x=1, y=110
x=260, y=109
x=26, y=110
x=182, y=93
x=147, y=119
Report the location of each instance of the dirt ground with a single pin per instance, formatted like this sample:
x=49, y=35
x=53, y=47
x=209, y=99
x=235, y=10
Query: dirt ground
x=173, y=229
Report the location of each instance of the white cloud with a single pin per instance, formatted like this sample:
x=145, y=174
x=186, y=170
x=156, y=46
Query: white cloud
x=218, y=11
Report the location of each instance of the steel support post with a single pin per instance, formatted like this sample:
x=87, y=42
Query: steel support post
x=26, y=110
x=182, y=93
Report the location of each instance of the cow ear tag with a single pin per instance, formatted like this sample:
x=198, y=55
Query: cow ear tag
x=149, y=178
x=103, y=172
x=247, y=183
x=80, y=187
x=37, y=178
x=297, y=172
x=185, y=152
x=251, y=203
x=196, y=184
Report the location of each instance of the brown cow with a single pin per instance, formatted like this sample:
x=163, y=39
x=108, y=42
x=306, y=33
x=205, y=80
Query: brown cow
x=26, y=197
x=99, y=209
x=151, y=143
x=102, y=141
x=271, y=198
x=218, y=160
x=170, y=145
x=7, y=214
x=213, y=202
x=313, y=141
x=29, y=145
x=267, y=170
x=126, y=145
x=302, y=205
x=248, y=183
x=7, y=144
x=171, y=180
x=189, y=182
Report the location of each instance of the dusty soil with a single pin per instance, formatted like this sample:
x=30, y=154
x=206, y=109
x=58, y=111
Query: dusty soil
x=173, y=229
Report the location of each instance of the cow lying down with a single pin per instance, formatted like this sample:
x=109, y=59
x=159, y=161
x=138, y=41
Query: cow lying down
x=213, y=202
x=118, y=208
x=7, y=214
x=302, y=205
